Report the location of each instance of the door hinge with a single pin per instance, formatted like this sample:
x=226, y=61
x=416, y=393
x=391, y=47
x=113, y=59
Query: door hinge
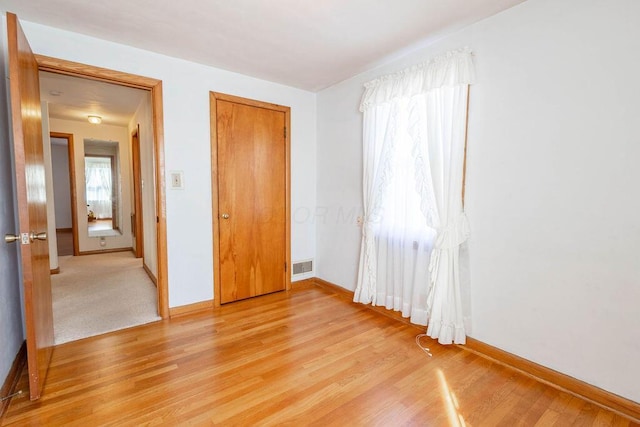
x=285, y=267
x=285, y=132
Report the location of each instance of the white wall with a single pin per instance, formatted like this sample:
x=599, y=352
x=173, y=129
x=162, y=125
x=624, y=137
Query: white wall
x=144, y=117
x=11, y=326
x=552, y=184
x=61, y=184
x=186, y=89
x=103, y=132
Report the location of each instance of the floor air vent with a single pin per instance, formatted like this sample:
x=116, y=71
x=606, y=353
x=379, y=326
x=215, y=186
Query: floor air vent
x=302, y=267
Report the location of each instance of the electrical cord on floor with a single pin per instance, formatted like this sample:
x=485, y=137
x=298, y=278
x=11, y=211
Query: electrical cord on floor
x=425, y=349
x=2, y=399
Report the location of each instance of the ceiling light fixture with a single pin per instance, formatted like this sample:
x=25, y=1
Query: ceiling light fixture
x=96, y=120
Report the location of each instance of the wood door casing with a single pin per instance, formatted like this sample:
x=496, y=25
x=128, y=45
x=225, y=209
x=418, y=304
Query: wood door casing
x=137, y=193
x=72, y=187
x=76, y=69
x=32, y=203
x=250, y=159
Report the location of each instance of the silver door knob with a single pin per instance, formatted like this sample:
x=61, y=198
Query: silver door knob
x=10, y=238
x=225, y=216
x=38, y=236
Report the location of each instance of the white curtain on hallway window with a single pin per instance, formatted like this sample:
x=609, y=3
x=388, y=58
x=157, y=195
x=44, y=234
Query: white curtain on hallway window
x=99, y=186
x=413, y=148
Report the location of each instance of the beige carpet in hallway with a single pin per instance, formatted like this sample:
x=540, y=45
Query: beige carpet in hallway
x=96, y=294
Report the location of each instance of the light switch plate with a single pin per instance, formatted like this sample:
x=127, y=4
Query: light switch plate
x=177, y=180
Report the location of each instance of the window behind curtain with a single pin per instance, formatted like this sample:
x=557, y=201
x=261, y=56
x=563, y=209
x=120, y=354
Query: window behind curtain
x=414, y=125
x=98, y=177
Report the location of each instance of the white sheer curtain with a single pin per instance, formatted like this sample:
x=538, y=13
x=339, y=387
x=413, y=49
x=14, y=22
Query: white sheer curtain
x=98, y=185
x=414, y=134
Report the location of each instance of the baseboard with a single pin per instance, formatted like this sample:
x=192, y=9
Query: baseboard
x=105, y=251
x=328, y=285
x=10, y=383
x=558, y=380
x=555, y=379
x=184, y=310
x=347, y=294
x=150, y=274
x=55, y=270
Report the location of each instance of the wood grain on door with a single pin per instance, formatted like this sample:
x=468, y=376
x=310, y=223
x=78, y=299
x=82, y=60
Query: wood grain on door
x=251, y=163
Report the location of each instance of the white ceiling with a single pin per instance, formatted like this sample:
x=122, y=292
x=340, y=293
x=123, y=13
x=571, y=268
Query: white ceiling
x=74, y=98
x=309, y=44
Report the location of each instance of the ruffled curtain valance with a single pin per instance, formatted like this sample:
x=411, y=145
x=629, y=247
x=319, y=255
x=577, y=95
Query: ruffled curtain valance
x=451, y=69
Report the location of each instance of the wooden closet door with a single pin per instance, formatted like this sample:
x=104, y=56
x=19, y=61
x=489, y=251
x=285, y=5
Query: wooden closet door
x=252, y=199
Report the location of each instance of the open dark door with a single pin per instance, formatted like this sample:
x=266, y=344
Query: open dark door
x=32, y=204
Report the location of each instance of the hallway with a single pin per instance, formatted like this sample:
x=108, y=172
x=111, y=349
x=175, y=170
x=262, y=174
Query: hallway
x=95, y=294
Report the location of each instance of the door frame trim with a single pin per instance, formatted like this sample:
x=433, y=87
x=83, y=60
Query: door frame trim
x=213, y=98
x=137, y=193
x=70, y=68
x=72, y=186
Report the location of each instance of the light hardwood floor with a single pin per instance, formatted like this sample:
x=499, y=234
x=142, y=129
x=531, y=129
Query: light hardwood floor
x=306, y=357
